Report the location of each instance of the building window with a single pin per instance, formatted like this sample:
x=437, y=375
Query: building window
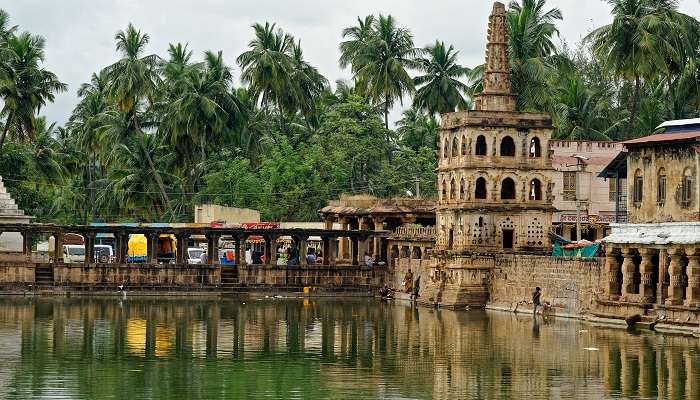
x=445, y=153
x=444, y=191
x=535, y=189
x=638, y=190
x=453, y=189
x=461, y=189
x=464, y=146
x=480, y=192
x=569, y=186
x=480, y=146
x=661, y=187
x=612, y=189
x=535, y=148
x=686, y=188
x=455, y=148
x=507, y=189
x=507, y=147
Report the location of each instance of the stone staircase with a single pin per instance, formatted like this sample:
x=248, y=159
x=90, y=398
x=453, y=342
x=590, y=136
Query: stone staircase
x=229, y=278
x=43, y=275
x=8, y=207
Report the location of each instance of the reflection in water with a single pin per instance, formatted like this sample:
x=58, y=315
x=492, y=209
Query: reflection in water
x=103, y=348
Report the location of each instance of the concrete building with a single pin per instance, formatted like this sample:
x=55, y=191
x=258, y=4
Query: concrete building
x=207, y=213
x=577, y=165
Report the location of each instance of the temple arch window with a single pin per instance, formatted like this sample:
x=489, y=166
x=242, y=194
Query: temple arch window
x=480, y=189
x=445, y=148
x=687, y=188
x=480, y=148
x=535, y=148
x=453, y=189
x=507, y=147
x=535, y=189
x=464, y=146
x=455, y=148
x=638, y=187
x=461, y=189
x=661, y=186
x=444, y=190
x=508, y=189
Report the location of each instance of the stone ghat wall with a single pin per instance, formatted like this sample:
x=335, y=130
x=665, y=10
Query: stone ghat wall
x=422, y=268
x=571, y=285
x=318, y=276
x=16, y=272
x=137, y=275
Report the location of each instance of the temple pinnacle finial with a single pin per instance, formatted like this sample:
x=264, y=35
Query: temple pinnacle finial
x=497, y=94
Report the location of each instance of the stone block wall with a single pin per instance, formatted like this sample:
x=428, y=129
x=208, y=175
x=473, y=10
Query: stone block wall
x=16, y=272
x=326, y=277
x=571, y=285
x=164, y=276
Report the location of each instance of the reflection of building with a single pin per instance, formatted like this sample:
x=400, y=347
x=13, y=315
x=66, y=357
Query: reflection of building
x=495, y=168
x=578, y=164
x=655, y=260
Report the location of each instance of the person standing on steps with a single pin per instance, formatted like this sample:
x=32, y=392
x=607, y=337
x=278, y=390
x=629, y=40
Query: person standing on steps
x=536, y=300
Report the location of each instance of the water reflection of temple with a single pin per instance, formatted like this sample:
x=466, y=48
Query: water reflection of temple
x=340, y=346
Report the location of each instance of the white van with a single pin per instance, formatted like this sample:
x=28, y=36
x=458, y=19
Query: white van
x=73, y=253
x=103, y=253
x=194, y=255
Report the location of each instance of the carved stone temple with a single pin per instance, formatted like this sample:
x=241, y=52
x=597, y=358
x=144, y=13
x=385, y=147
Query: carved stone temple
x=494, y=182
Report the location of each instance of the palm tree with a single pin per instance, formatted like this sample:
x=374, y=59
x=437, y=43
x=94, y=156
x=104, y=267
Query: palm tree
x=307, y=84
x=6, y=31
x=530, y=33
x=382, y=66
x=267, y=63
x=134, y=80
x=25, y=86
x=416, y=129
x=442, y=91
x=359, y=38
x=638, y=44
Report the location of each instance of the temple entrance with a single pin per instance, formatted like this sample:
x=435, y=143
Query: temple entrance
x=507, y=238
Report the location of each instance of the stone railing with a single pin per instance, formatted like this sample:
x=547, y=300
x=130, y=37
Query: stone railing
x=415, y=232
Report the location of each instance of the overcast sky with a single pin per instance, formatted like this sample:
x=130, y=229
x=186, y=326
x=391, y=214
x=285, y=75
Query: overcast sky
x=80, y=33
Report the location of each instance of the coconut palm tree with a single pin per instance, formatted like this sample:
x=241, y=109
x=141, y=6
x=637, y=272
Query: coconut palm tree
x=307, y=84
x=358, y=39
x=25, y=86
x=133, y=83
x=382, y=69
x=266, y=64
x=638, y=44
x=441, y=90
x=415, y=129
x=531, y=29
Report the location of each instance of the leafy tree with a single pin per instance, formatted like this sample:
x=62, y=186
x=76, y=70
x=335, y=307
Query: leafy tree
x=416, y=130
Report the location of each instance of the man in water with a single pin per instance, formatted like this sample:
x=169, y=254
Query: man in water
x=536, y=302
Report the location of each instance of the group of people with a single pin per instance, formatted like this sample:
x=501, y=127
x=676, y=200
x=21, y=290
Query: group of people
x=409, y=286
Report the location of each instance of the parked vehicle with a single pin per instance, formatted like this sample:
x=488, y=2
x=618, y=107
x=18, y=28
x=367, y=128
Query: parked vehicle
x=194, y=255
x=73, y=253
x=103, y=253
x=138, y=249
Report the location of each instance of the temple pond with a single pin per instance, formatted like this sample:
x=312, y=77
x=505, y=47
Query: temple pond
x=324, y=349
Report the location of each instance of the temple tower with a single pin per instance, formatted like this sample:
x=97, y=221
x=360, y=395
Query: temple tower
x=495, y=167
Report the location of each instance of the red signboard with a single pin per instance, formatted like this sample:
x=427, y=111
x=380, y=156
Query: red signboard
x=260, y=225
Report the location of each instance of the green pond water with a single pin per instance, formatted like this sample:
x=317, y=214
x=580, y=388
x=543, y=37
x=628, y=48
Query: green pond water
x=324, y=349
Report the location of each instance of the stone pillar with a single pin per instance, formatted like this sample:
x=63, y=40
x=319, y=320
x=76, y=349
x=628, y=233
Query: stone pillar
x=152, y=247
x=332, y=256
x=628, y=270
x=646, y=269
x=662, y=284
x=692, y=294
x=675, y=289
x=342, y=242
x=612, y=267
x=272, y=257
x=377, y=250
x=119, y=245
x=362, y=245
x=181, y=255
x=58, y=250
x=326, y=250
x=212, y=248
x=354, y=250
x=89, y=248
x=27, y=244
x=239, y=256
x=303, y=248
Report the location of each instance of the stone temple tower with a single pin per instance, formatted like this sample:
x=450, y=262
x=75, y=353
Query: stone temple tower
x=495, y=167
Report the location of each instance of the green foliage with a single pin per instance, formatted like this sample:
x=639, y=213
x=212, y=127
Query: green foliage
x=151, y=137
